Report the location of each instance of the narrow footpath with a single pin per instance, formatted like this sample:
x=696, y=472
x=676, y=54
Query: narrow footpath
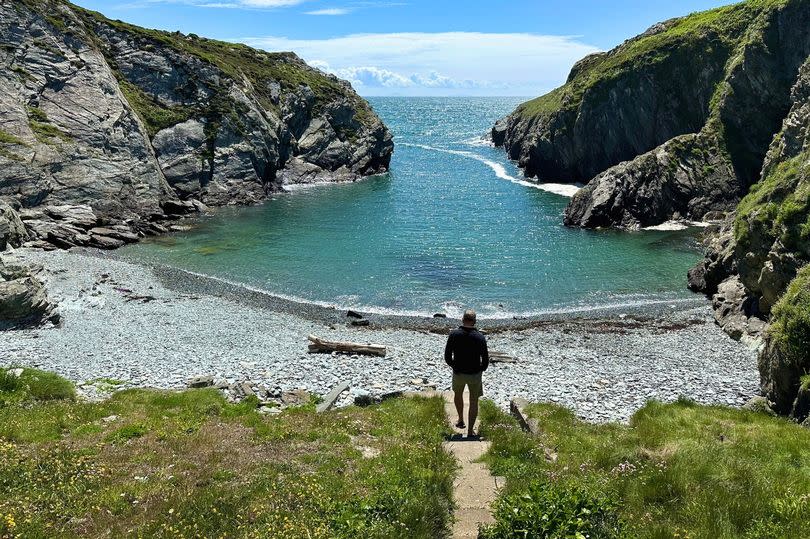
x=475, y=488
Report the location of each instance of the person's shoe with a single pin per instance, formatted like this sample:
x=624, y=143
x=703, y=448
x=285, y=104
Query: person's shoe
x=460, y=425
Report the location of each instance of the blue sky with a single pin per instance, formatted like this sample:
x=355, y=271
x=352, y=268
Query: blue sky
x=417, y=47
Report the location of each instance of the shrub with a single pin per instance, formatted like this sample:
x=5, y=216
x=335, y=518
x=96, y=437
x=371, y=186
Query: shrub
x=8, y=382
x=548, y=510
x=46, y=386
x=33, y=384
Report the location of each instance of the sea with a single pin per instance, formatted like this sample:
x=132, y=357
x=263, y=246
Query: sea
x=453, y=225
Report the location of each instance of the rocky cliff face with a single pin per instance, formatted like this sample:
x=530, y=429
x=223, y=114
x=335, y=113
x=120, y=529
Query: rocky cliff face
x=760, y=252
x=106, y=128
x=674, y=123
x=699, y=118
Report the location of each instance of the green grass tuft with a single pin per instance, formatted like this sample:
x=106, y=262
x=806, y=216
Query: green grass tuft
x=8, y=138
x=43, y=129
x=35, y=385
x=789, y=330
x=155, y=116
x=677, y=470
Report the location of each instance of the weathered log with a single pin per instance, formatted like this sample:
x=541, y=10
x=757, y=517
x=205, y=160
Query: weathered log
x=331, y=397
x=323, y=346
x=500, y=357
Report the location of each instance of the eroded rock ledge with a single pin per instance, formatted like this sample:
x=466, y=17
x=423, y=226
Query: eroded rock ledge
x=108, y=130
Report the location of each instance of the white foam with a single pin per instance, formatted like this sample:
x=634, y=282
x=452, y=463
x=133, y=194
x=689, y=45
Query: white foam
x=678, y=225
x=500, y=171
x=478, y=141
x=291, y=187
x=453, y=309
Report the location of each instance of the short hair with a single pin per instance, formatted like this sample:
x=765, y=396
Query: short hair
x=469, y=316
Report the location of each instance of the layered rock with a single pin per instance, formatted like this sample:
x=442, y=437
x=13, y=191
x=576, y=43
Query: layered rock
x=762, y=250
x=672, y=124
x=128, y=121
x=23, y=298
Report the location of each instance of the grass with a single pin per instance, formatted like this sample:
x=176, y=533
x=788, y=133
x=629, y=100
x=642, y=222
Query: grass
x=33, y=385
x=155, y=116
x=677, y=470
x=789, y=331
x=8, y=138
x=44, y=131
x=777, y=207
x=240, y=62
x=713, y=33
x=182, y=464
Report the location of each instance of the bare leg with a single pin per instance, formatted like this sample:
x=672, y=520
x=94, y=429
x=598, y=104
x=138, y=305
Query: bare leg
x=459, y=401
x=473, y=415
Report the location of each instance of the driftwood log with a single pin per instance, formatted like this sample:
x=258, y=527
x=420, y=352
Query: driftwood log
x=319, y=345
x=500, y=357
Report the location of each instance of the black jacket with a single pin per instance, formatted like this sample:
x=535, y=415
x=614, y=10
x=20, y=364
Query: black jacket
x=466, y=351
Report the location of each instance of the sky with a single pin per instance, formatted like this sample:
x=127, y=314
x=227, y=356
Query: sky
x=417, y=47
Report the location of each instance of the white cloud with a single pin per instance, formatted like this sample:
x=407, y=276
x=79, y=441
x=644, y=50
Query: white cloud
x=234, y=4
x=440, y=63
x=329, y=11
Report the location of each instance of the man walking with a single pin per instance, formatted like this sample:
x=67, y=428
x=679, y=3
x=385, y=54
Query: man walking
x=466, y=353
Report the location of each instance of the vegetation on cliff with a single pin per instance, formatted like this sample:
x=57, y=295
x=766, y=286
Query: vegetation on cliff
x=716, y=83
x=718, y=30
x=677, y=470
x=181, y=464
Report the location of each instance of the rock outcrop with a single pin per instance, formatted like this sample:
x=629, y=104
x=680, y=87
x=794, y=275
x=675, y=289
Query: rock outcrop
x=23, y=299
x=674, y=123
x=763, y=251
x=703, y=117
x=128, y=122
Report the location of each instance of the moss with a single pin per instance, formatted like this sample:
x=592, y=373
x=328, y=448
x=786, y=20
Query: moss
x=8, y=138
x=789, y=331
x=154, y=115
x=778, y=206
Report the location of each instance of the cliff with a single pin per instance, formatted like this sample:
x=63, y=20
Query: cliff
x=701, y=117
x=108, y=129
x=762, y=254
x=674, y=123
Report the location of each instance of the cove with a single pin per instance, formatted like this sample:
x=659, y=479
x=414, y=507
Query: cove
x=452, y=225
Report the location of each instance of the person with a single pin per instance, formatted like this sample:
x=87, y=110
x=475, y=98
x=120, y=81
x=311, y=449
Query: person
x=466, y=353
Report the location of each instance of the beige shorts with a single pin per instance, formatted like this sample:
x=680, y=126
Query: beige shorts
x=473, y=381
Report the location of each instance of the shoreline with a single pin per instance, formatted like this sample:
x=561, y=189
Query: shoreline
x=190, y=282
x=152, y=327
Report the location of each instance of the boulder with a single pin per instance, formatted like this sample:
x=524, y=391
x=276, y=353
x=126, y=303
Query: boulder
x=12, y=229
x=736, y=311
x=801, y=405
x=298, y=397
x=105, y=242
x=759, y=404
x=79, y=215
x=23, y=302
x=199, y=382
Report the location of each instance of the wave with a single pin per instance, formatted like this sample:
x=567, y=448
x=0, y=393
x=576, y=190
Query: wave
x=452, y=309
x=500, y=171
x=678, y=225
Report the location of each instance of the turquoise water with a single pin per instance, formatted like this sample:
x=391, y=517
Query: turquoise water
x=450, y=226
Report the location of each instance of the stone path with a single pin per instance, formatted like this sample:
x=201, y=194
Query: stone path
x=475, y=488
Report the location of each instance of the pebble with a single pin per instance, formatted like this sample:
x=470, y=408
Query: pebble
x=164, y=343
